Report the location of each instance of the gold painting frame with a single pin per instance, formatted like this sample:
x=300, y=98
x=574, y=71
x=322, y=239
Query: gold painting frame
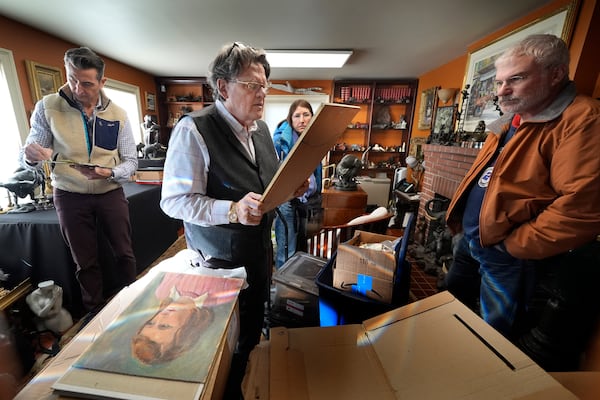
x=427, y=109
x=43, y=79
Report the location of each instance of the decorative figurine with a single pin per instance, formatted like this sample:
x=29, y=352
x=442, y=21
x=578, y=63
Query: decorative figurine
x=46, y=303
x=346, y=172
x=22, y=184
x=151, y=130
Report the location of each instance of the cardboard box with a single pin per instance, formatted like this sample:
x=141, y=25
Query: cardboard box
x=585, y=384
x=366, y=271
x=40, y=387
x=435, y=348
x=256, y=381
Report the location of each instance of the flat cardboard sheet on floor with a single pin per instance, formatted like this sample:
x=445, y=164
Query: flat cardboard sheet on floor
x=432, y=349
x=323, y=131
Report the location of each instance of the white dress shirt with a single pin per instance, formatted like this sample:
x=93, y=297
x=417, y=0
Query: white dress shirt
x=186, y=172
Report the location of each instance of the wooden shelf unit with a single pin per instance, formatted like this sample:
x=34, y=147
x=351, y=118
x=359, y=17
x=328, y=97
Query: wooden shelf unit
x=177, y=96
x=383, y=103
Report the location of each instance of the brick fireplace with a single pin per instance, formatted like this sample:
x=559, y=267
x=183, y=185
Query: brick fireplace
x=445, y=167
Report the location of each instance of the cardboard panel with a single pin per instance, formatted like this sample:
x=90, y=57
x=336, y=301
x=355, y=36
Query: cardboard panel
x=324, y=130
x=432, y=349
x=324, y=363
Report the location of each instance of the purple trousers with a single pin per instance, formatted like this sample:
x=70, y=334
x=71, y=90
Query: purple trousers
x=80, y=217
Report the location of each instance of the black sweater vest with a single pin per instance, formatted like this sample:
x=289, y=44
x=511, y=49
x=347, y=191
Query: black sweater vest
x=231, y=175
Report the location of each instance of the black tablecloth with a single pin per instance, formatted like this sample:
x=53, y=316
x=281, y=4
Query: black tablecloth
x=34, y=239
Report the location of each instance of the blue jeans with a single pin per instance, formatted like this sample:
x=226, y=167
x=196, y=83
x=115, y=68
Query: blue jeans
x=505, y=282
x=288, y=212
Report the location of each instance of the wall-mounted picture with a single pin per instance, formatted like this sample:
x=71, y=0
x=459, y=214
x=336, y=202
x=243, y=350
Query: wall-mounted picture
x=43, y=79
x=442, y=131
x=444, y=120
x=481, y=71
x=416, y=147
x=150, y=101
x=428, y=102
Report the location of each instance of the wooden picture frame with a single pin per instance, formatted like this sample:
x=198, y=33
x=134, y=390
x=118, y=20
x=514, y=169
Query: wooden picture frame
x=416, y=147
x=444, y=120
x=427, y=109
x=150, y=101
x=481, y=71
x=43, y=79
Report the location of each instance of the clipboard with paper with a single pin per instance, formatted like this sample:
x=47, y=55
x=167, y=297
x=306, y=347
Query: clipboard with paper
x=323, y=132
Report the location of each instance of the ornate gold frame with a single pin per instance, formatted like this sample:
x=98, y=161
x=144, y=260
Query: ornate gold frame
x=43, y=79
x=427, y=109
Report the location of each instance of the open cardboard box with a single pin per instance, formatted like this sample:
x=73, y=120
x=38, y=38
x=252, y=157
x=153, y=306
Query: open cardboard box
x=435, y=348
x=367, y=271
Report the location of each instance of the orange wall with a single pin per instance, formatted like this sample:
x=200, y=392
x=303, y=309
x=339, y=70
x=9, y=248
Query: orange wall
x=27, y=43
x=583, y=47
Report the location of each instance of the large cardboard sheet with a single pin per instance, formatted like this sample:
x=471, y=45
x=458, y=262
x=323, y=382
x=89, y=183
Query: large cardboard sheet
x=435, y=348
x=325, y=129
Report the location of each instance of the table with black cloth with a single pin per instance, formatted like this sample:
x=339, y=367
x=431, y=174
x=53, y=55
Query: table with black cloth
x=34, y=239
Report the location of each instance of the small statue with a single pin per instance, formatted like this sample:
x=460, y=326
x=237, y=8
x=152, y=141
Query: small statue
x=346, y=172
x=22, y=184
x=402, y=123
x=479, y=132
x=46, y=303
x=154, y=150
x=151, y=130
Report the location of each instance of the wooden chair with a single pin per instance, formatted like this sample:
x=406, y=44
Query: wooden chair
x=325, y=242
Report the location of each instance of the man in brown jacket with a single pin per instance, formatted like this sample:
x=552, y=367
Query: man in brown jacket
x=529, y=208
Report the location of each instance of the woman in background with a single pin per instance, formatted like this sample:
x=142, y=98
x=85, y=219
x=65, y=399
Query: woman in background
x=292, y=215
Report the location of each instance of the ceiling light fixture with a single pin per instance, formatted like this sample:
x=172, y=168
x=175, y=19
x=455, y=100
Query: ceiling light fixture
x=307, y=58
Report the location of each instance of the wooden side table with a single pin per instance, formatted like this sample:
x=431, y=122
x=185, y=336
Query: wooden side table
x=341, y=206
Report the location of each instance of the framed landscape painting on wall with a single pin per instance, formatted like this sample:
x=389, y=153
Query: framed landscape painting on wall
x=43, y=79
x=481, y=71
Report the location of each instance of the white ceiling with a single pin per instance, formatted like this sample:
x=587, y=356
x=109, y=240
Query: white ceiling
x=390, y=38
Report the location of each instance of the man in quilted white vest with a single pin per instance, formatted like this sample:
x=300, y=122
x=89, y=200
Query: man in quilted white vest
x=88, y=142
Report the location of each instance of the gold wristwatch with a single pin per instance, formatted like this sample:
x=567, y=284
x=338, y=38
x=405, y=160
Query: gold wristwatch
x=232, y=214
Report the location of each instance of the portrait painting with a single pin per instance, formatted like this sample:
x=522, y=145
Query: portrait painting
x=172, y=330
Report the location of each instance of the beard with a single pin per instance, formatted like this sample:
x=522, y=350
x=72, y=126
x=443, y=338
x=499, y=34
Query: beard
x=524, y=103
